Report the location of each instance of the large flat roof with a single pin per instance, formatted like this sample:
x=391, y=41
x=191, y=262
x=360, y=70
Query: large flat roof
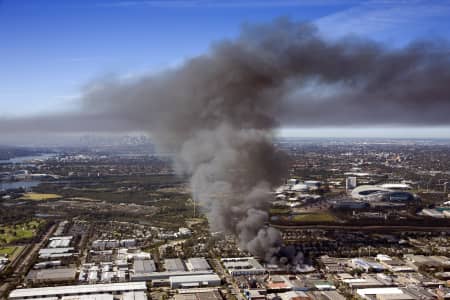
x=89, y=297
x=174, y=264
x=241, y=263
x=144, y=266
x=197, y=263
x=166, y=275
x=78, y=289
x=379, y=291
x=194, y=278
x=53, y=274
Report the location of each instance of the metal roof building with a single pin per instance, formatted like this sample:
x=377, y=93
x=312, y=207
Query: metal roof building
x=89, y=297
x=143, y=269
x=243, y=266
x=377, y=292
x=331, y=295
x=144, y=266
x=77, y=290
x=52, y=275
x=166, y=275
x=197, y=264
x=174, y=264
x=194, y=281
x=56, y=252
x=59, y=242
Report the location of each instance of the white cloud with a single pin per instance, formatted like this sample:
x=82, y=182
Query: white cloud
x=374, y=17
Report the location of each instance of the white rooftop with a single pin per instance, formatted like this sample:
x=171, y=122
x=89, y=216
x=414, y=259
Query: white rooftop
x=89, y=297
x=194, y=278
x=78, y=289
x=379, y=291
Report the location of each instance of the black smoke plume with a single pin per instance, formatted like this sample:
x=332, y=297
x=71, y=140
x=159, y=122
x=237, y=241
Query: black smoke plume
x=217, y=111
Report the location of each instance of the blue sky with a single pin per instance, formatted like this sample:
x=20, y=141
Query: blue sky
x=50, y=49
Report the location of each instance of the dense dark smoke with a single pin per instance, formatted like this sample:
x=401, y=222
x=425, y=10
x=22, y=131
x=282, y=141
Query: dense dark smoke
x=217, y=111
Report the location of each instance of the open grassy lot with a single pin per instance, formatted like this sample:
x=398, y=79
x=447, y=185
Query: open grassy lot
x=314, y=218
x=40, y=197
x=11, y=233
x=11, y=252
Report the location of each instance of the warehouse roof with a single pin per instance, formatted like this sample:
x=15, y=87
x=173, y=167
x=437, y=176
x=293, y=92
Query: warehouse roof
x=144, y=266
x=379, y=291
x=197, y=263
x=61, y=274
x=78, y=289
x=166, y=275
x=174, y=264
x=89, y=297
x=194, y=278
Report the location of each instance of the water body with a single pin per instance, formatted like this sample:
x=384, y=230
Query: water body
x=19, y=184
x=23, y=159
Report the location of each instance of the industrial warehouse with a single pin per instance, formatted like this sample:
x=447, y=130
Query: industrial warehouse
x=120, y=291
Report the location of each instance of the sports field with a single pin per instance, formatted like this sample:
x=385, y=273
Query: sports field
x=314, y=218
x=40, y=197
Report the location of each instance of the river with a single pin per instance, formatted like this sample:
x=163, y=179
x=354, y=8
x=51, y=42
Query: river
x=19, y=184
x=23, y=159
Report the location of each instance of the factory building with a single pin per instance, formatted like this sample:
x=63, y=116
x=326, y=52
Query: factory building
x=144, y=266
x=161, y=276
x=393, y=264
x=198, y=294
x=105, y=244
x=195, y=281
x=243, y=266
x=331, y=295
x=104, y=272
x=51, y=253
x=59, y=242
x=174, y=265
x=367, y=266
x=197, y=264
x=52, y=275
x=294, y=295
x=47, y=264
x=123, y=291
x=142, y=269
x=383, y=293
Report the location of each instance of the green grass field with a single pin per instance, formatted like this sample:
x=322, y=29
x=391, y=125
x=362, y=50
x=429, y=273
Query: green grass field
x=11, y=252
x=11, y=233
x=314, y=218
x=276, y=211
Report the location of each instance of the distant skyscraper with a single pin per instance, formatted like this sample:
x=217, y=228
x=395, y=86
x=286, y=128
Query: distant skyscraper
x=350, y=183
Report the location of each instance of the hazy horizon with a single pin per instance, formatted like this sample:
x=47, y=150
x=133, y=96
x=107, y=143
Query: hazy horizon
x=58, y=52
